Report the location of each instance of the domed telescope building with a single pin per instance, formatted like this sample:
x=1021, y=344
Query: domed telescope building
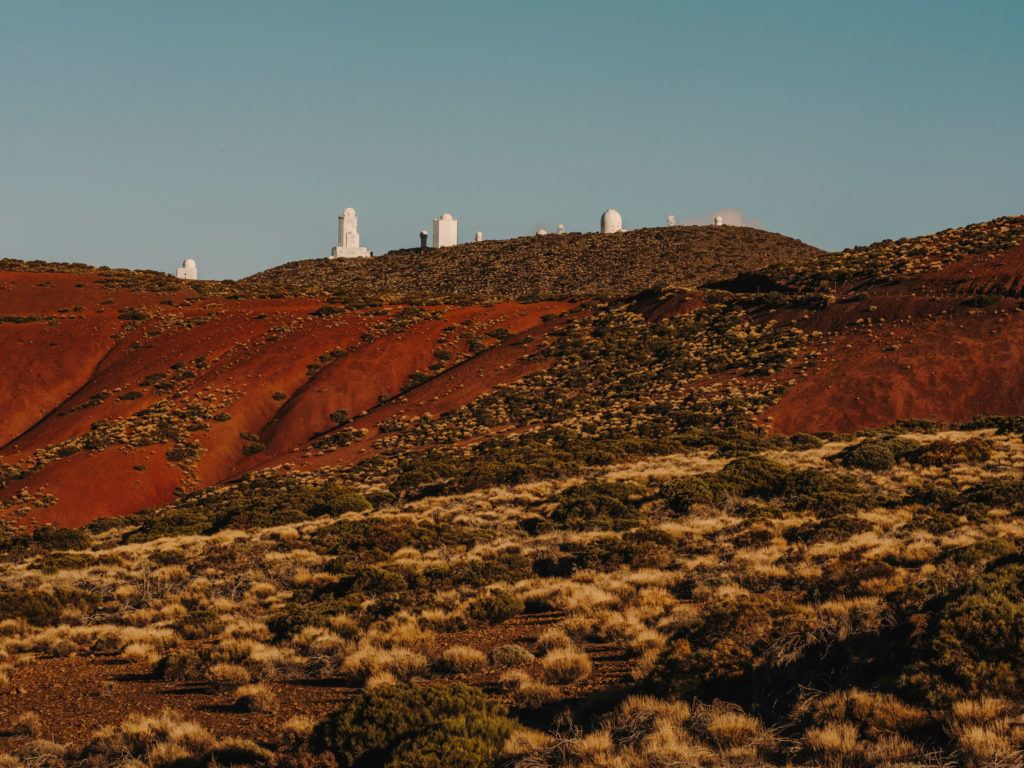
x=611, y=221
x=188, y=270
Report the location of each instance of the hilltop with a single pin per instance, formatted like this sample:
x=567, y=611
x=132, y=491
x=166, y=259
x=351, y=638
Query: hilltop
x=572, y=264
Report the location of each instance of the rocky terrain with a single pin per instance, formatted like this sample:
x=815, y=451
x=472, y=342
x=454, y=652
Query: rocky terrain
x=764, y=515
x=544, y=266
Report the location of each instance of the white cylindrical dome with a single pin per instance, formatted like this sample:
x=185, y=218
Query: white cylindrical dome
x=349, y=212
x=542, y=231
x=446, y=217
x=611, y=221
x=189, y=264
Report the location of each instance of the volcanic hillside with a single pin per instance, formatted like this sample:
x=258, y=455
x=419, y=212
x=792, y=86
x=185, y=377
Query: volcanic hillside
x=126, y=390
x=553, y=265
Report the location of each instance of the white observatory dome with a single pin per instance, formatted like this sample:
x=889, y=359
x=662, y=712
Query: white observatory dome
x=446, y=217
x=542, y=231
x=611, y=221
x=349, y=212
x=189, y=264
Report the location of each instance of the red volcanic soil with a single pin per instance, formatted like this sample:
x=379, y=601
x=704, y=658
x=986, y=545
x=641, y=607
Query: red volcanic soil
x=917, y=349
x=101, y=384
x=116, y=399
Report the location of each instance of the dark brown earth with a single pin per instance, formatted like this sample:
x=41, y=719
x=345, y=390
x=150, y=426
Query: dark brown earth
x=572, y=264
x=77, y=694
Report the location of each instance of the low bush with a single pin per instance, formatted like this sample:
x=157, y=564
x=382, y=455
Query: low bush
x=730, y=639
x=978, y=637
x=43, y=608
x=180, y=666
x=51, y=537
x=942, y=452
x=877, y=455
x=742, y=477
x=513, y=655
x=599, y=505
x=410, y=726
x=874, y=456
x=565, y=665
x=838, y=528
x=496, y=606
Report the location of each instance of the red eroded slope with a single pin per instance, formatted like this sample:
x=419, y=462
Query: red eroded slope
x=127, y=395
x=921, y=348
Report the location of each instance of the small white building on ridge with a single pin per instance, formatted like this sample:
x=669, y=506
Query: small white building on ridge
x=446, y=231
x=348, y=238
x=188, y=270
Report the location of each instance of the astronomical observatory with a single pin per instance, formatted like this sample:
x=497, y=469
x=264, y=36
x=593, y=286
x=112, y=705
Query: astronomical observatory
x=348, y=238
x=446, y=231
x=611, y=222
x=188, y=270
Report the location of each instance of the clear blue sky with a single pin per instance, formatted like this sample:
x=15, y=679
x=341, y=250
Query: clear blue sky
x=140, y=133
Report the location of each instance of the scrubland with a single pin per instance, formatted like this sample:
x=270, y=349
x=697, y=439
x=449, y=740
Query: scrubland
x=603, y=557
x=817, y=601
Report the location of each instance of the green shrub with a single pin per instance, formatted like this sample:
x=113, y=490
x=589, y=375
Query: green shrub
x=51, y=537
x=824, y=493
x=305, y=613
x=742, y=477
x=802, y=441
x=251, y=449
x=942, y=452
x=934, y=520
x=335, y=499
x=729, y=640
x=496, y=606
x=978, y=642
x=838, y=528
x=750, y=476
x=62, y=561
x=982, y=552
x=512, y=655
x=1005, y=492
x=874, y=456
x=43, y=608
x=684, y=492
x=409, y=726
x=180, y=666
x=599, y=505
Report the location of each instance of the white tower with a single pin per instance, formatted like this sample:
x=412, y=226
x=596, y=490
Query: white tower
x=479, y=237
x=348, y=238
x=718, y=221
x=561, y=229
x=611, y=222
x=446, y=231
x=671, y=221
x=188, y=270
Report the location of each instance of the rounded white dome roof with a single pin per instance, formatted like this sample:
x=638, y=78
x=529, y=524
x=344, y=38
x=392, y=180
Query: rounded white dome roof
x=542, y=231
x=349, y=212
x=446, y=217
x=189, y=263
x=611, y=221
